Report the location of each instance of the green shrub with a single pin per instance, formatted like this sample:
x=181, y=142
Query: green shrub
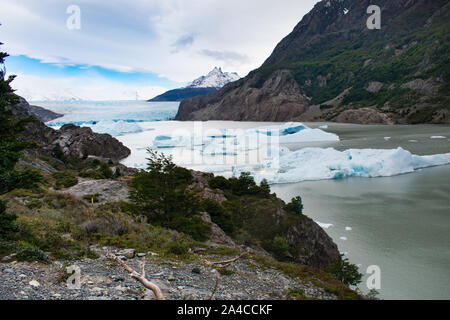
x=219, y=182
x=35, y=204
x=295, y=206
x=345, y=272
x=31, y=254
x=64, y=179
x=219, y=215
x=279, y=248
x=7, y=222
x=177, y=248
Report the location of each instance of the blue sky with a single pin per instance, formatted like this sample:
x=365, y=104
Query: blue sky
x=124, y=47
x=24, y=65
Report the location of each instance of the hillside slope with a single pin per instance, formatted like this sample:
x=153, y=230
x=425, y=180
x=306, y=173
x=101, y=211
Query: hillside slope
x=332, y=67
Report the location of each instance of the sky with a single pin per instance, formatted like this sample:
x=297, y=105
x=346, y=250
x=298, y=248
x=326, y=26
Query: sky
x=127, y=49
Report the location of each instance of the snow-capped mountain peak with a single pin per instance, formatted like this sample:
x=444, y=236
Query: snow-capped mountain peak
x=215, y=79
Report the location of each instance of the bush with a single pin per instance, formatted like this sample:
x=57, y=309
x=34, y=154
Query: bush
x=31, y=254
x=345, y=272
x=219, y=183
x=64, y=179
x=177, y=248
x=219, y=215
x=279, y=248
x=7, y=222
x=295, y=206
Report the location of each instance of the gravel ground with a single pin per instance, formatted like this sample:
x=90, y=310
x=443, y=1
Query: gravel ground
x=104, y=279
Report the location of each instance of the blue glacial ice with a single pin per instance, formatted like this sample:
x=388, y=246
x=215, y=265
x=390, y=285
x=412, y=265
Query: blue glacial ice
x=328, y=163
x=115, y=128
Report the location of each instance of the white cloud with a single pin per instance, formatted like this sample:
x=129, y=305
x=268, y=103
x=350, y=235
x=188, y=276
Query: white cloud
x=35, y=88
x=166, y=37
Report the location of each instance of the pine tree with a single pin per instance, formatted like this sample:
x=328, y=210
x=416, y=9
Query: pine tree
x=10, y=149
x=11, y=144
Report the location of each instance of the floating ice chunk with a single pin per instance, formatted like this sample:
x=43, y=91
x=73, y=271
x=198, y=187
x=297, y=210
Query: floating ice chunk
x=324, y=225
x=281, y=130
x=320, y=164
x=309, y=135
x=438, y=137
x=164, y=141
x=115, y=128
x=343, y=238
x=323, y=127
x=348, y=229
x=387, y=138
x=413, y=141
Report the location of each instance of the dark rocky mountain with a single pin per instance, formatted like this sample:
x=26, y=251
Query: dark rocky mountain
x=333, y=67
x=182, y=93
x=72, y=139
x=42, y=114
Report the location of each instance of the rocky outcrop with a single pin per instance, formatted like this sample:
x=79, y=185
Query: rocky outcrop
x=363, y=116
x=276, y=99
x=72, y=139
x=80, y=141
x=330, y=51
x=313, y=246
x=217, y=235
x=107, y=190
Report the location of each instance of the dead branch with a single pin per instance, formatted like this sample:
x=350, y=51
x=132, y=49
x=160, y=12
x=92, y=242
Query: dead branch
x=214, y=289
x=223, y=263
x=139, y=277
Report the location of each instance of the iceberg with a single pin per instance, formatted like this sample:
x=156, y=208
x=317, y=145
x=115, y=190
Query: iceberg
x=324, y=225
x=165, y=141
x=328, y=163
x=114, y=128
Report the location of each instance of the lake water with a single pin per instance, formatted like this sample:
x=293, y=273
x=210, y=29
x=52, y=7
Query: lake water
x=400, y=223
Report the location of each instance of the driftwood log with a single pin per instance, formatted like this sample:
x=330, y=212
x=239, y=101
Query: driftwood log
x=139, y=276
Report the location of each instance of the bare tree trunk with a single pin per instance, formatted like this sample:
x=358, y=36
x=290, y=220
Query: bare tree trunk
x=140, y=277
x=223, y=263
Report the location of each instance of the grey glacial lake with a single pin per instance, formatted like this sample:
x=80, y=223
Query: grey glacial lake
x=400, y=223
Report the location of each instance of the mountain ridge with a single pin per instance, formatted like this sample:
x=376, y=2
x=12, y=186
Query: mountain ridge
x=331, y=67
x=212, y=82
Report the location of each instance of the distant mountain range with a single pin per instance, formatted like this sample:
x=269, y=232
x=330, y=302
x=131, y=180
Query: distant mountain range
x=213, y=81
x=332, y=67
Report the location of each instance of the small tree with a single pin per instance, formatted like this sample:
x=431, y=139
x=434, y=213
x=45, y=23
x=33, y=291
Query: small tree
x=11, y=144
x=264, y=188
x=295, y=206
x=345, y=272
x=161, y=194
